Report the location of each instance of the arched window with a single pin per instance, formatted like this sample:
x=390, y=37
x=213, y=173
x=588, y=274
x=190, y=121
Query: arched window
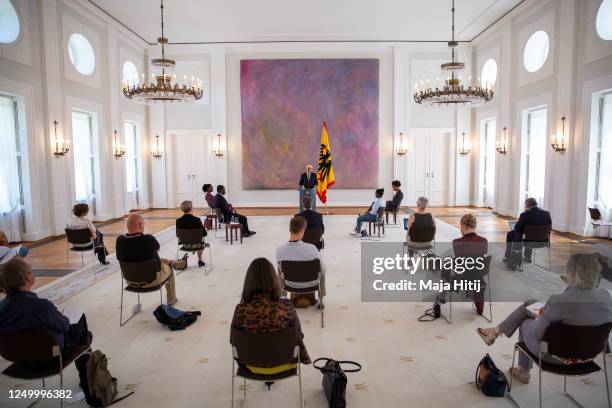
x=488, y=75
x=603, y=22
x=81, y=54
x=9, y=23
x=536, y=51
x=130, y=73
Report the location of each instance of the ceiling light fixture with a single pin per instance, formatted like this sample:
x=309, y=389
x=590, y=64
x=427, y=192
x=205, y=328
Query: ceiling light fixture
x=165, y=88
x=453, y=92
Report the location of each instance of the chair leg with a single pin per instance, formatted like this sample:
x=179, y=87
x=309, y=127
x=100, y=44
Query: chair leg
x=322, y=305
x=540, y=382
x=300, y=381
x=121, y=322
x=606, y=377
x=509, y=393
x=233, y=380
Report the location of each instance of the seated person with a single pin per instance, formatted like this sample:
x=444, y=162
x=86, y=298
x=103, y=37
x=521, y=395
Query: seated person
x=313, y=218
x=23, y=309
x=190, y=221
x=371, y=214
x=262, y=310
x=532, y=215
x=228, y=211
x=209, y=197
x=581, y=304
x=297, y=250
x=398, y=196
x=5, y=250
x=420, y=219
x=136, y=246
x=79, y=220
x=470, y=245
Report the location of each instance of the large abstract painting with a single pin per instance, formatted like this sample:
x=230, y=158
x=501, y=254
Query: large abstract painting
x=283, y=105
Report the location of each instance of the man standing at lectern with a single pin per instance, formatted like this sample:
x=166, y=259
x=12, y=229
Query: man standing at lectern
x=308, y=180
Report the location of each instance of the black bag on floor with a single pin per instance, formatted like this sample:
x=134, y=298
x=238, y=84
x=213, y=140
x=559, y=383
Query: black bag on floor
x=489, y=379
x=175, y=319
x=334, y=380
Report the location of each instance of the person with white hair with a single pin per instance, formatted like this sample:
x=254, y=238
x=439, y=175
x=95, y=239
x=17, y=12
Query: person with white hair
x=581, y=304
x=420, y=219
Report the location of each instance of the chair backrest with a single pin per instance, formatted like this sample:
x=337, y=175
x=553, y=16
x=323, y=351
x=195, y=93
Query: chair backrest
x=301, y=271
x=219, y=214
x=538, y=233
x=595, y=214
x=380, y=214
x=140, y=271
x=190, y=236
x=424, y=234
x=265, y=349
x=28, y=346
x=78, y=236
x=313, y=235
x=580, y=342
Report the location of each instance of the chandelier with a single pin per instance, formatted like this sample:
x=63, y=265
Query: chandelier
x=164, y=88
x=452, y=92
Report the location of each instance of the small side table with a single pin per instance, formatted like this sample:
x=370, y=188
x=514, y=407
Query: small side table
x=230, y=229
x=213, y=220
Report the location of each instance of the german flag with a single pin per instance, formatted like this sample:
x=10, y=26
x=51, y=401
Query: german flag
x=325, y=172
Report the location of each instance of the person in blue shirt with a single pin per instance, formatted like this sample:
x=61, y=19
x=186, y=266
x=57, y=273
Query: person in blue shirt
x=23, y=309
x=371, y=214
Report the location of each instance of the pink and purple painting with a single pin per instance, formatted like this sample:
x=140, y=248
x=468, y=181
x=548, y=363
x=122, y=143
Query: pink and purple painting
x=283, y=104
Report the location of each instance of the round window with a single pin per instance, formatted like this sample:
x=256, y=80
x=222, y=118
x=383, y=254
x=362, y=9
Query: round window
x=536, y=51
x=488, y=75
x=603, y=22
x=9, y=23
x=81, y=54
x=130, y=73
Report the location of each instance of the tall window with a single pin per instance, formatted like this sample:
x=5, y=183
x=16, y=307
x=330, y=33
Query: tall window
x=11, y=179
x=84, y=157
x=603, y=158
x=488, y=162
x=533, y=161
x=132, y=160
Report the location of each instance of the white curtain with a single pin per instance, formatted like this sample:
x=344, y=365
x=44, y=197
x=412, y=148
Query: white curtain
x=605, y=170
x=81, y=141
x=10, y=208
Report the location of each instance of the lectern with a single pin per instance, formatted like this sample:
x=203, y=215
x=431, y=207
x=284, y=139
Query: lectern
x=308, y=192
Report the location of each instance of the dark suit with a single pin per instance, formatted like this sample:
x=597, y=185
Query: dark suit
x=394, y=204
x=228, y=212
x=533, y=216
x=308, y=182
x=313, y=219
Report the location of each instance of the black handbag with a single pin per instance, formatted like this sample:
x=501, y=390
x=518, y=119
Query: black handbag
x=334, y=380
x=489, y=379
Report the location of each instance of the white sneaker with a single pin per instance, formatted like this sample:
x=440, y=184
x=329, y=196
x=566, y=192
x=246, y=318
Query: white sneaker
x=354, y=234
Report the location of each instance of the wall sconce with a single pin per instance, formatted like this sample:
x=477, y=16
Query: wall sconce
x=463, y=150
x=156, y=152
x=402, y=148
x=560, y=147
x=119, y=148
x=219, y=150
x=61, y=147
x=502, y=144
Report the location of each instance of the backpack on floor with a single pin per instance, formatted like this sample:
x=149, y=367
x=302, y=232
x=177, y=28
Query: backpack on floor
x=489, y=379
x=97, y=383
x=175, y=319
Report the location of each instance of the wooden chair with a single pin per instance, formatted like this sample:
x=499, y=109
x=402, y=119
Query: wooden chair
x=596, y=221
x=485, y=272
x=192, y=240
x=231, y=229
x=35, y=355
x=81, y=237
x=314, y=236
x=568, y=342
x=302, y=272
x=266, y=350
x=140, y=272
x=375, y=227
x=394, y=213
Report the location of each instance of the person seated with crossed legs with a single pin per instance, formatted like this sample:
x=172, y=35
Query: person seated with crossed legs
x=297, y=250
x=398, y=196
x=581, y=304
x=136, y=246
x=189, y=221
x=371, y=214
x=228, y=211
x=22, y=309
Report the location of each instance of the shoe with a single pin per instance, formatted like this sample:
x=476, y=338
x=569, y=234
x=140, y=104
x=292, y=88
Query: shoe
x=479, y=307
x=269, y=384
x=172, y=302
x=520, y=374
x=201, y=264
x=364, y=233
x=489, y=339
x=249, y=234
x=354, y=234
x=440, y=298
x=104, y=262
x=527, y=260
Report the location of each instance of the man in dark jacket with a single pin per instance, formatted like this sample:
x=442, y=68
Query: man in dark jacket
x=398, y=196
x=308, y=179
x=532, y=215
x=228, y=211
x=313, y=218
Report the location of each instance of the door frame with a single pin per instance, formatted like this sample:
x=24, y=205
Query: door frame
x=452, y=159
x=170, y=151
